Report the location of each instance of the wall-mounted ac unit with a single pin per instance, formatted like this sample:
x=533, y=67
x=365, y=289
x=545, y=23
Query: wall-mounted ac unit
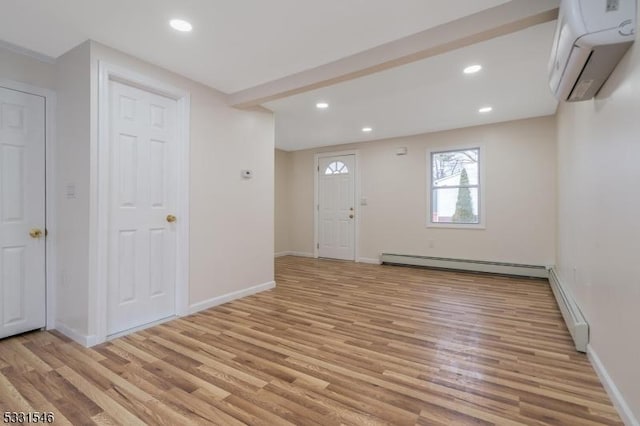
x=591, y=38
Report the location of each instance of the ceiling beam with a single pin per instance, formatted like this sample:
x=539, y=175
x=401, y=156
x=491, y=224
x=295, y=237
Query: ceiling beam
x=507, y=18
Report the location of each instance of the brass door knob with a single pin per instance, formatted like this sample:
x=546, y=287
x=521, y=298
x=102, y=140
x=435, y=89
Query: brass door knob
x=35, y=233
x=171, y=218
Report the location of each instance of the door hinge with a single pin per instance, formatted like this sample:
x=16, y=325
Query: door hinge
x=318, y=245
x=318, y=168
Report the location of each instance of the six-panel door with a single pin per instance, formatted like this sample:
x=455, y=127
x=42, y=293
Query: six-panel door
x=143, y=197
x=22, y=212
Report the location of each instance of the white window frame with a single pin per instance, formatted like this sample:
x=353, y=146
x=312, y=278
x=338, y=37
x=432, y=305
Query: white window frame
x=481, y=188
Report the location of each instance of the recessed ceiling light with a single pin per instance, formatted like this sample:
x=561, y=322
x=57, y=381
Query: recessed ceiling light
x=367, y=129
x=485, y=110
x=472, y=69
x=322, y=105
x=180, y=25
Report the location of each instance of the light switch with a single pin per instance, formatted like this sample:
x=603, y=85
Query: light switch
x=71, y=191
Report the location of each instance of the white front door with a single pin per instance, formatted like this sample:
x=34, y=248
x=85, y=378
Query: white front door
x=143, y=199
x=336, y=207
x=22, y=212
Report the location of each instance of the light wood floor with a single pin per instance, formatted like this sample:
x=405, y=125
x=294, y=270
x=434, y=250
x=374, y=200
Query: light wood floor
x=335, y=343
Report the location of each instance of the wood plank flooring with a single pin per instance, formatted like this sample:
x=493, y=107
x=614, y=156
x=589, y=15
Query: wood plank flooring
x=334, y=343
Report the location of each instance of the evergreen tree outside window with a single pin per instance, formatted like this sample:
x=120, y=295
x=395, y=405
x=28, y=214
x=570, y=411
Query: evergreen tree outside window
x=455, y=187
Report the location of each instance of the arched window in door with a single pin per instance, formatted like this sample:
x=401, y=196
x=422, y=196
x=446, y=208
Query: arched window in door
x=337, y=168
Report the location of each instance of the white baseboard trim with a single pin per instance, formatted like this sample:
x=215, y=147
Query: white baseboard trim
x=294, y=253
x=141, y=327
x=369, y=261
x=92, y=340
x=614, y=393
x=73, y=334
x=301, y=254
x=215, y=301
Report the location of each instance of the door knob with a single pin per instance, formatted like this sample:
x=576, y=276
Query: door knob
x=350, y=216
x=35, y=233
x=171, y=218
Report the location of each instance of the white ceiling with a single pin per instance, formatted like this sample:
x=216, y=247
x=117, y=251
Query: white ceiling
x=236, y=44
x=239, y=44
x=426, y=96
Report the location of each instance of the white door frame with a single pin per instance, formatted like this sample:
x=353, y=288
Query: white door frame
x=100, y=214
x=316, y=199
x=50, y=190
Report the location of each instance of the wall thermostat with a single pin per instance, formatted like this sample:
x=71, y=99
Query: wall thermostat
x=246, y=174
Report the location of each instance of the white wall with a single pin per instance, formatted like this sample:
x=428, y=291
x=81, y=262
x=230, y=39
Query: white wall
x=72, y=168
x=598, y=213
x=69, y=77
x=282, y=201
x=25, y=69
x=232, y=219
x=520, y=195
x=232, y=235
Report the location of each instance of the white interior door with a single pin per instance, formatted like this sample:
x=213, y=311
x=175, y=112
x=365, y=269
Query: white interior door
x=336, y=207
x=143, y=200
x=22, y=212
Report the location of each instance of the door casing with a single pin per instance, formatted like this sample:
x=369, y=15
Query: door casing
x=316, y=199
x=50, y=185
x=99, y=239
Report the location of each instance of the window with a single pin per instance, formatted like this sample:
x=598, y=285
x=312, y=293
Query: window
x=455, y=187
x=337, y=168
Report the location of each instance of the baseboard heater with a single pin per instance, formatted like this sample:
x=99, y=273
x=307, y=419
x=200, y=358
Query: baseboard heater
x=466, y=265
x=574, y=319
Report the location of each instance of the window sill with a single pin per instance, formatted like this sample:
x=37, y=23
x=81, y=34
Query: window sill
x=475, y=226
